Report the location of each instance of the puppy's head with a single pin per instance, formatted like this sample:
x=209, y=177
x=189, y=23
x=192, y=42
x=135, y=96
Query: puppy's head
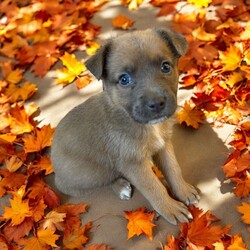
x=139, y=71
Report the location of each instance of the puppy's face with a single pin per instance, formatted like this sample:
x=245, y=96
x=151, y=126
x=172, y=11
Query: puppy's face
x=139, y=73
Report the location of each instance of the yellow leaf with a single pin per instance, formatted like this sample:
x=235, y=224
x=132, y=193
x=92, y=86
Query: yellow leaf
x=238, y=244
x=234, y=78
x=73, y=69
x=18, y=211
x=247, y=57
x=200, y=3
x=139, y=222
x=92, y=48
x=8, y=137
x=231, y=58
x=132, y=4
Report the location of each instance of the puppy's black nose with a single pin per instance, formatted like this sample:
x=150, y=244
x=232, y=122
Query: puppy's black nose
x=156, y=104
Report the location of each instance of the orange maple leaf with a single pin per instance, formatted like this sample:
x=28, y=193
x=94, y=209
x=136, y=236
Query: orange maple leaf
x=13, y=163
x=41, y=139
x=191, y=116
x=122, y=22
x=245, y=210
x=45, y=164
x=99, y=247
x=43, y=239
x=237, y=243
x=17, y=232
x=20, y=121
x=139, y=222
x=243, y=186
x=76, y=238
x=18, y=211
x=200, y=232
x=17, y=93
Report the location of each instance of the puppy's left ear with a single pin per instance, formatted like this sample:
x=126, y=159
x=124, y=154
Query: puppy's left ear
x=175, y=41
x=96, y=64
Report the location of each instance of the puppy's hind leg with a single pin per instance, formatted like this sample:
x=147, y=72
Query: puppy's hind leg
x=123, y=188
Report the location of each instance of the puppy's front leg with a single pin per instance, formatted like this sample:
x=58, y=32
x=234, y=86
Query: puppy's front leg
x=143, y=178
x=166, y=161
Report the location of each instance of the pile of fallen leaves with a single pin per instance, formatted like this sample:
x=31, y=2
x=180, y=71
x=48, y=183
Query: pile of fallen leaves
x=35, y=34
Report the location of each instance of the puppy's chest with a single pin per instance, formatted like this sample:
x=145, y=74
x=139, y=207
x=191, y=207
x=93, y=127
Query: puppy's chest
x=155, y=139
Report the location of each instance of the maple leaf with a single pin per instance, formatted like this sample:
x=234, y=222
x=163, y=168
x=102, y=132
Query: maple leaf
x=43, y=239
x=20, y=121
x=139, y=222
x=76, y=238
x=191, y=116
x=46, y=56
x=15, y=233
x=38, y=209
x=99, y=247
x=200, y=232
x=13, y=163
x=23, y=92
x=18, y=211
x=10, y=181
x=39, y=141
x=243, y=186
x=45, y=164
x=200, y=3
x=73, y=69
x=202, y=35
x=231, y=58
x=83, y=81
x=132, y=4
x=122, y=22
x=245, y=210
x=54, y=220
x=92, y=47
x=51, y=198
x=237, y=244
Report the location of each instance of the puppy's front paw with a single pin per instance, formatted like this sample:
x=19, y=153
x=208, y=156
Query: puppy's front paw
x=175, y=211
x=187, y=194
x=123, y=188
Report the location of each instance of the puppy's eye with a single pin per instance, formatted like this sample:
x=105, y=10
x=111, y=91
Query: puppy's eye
x=125, y=80
x=165, y=67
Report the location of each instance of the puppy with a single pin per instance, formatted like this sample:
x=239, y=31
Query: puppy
x=116, y=136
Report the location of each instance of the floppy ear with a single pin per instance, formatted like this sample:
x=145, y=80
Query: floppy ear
x=176, y=41
x=96, y=63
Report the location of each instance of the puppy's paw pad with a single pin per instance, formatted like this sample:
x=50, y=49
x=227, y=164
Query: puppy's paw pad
x=123, y=188
x=126, y=193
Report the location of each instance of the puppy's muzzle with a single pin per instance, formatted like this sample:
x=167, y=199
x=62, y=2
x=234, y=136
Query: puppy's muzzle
x=156, y=104
x=152, y=107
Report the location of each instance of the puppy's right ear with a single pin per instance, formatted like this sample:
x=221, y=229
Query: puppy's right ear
x=96, y=64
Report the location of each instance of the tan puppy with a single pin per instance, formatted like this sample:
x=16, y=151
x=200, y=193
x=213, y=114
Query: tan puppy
x=115, y=136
